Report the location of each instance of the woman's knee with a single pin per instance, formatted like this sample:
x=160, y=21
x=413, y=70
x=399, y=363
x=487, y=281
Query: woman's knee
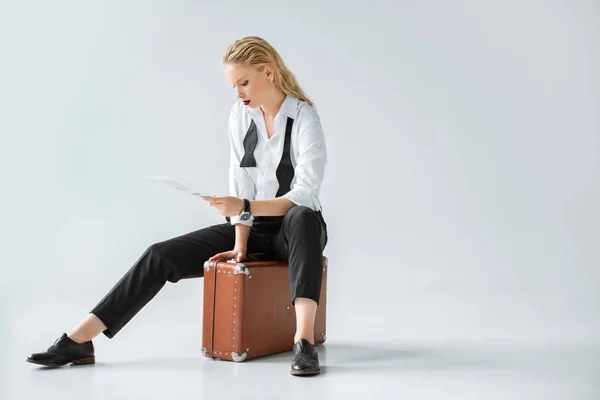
x=157, y=249
x=158, y=261
x=301, y=214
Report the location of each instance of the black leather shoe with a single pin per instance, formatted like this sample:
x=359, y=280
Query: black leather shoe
x=306, y=359
x=65, y=351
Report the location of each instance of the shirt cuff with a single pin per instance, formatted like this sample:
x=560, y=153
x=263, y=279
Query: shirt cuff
x=237, y=220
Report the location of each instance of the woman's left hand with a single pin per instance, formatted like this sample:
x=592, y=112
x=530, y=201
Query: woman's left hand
x=228, y=206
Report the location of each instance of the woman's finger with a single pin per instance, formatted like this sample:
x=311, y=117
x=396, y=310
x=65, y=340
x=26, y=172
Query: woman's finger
x=219, y=256
x=241, y=255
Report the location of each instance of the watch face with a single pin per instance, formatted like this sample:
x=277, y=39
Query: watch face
x=245, y=216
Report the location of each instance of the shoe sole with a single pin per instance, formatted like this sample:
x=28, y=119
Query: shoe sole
x=304, y=373
x=81, y=361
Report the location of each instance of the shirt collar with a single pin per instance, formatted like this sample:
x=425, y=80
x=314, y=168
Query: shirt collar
x=288, y=108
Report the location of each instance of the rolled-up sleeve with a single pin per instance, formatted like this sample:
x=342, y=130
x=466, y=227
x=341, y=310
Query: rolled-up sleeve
x=310, y=166
x=241, y=184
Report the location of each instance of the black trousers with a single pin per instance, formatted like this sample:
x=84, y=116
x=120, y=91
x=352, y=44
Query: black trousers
x=297, y=238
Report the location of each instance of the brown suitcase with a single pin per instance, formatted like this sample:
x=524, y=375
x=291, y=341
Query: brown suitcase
x=248, y=311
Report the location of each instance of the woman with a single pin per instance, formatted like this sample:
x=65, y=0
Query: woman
x=277, y=163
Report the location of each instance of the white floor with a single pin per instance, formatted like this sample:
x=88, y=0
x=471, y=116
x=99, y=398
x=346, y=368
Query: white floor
x=157, y=356
x=473, y=345
x=350, y=370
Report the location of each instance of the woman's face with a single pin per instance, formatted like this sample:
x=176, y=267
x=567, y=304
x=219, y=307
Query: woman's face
x=250, y=83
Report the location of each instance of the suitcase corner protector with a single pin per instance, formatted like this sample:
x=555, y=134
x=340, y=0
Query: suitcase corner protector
x=238, y=357
x=205, y=353
x=241, y=269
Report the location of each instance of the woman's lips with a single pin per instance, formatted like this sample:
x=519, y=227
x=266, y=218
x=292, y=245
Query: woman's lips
x=246, y=102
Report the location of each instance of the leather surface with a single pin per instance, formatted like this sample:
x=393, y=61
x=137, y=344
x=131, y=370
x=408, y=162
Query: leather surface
x=252, y=313
x=208, y=312
x=64, y=351
x=305, y=359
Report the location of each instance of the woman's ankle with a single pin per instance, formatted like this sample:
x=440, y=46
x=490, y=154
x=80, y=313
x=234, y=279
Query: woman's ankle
x=87, y=329
x=78, y=337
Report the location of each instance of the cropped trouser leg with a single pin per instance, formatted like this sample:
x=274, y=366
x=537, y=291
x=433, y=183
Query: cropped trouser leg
x=301, y=241
x=169, y=260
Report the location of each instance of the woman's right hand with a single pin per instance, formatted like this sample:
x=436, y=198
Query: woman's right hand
x=238, y=254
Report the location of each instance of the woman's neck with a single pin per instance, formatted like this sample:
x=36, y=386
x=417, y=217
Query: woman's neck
x=272, y=106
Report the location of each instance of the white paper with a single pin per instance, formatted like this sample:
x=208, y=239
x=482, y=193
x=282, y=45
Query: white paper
x=176, y=183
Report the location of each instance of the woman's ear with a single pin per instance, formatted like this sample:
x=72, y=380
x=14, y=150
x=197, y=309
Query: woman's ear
x=268, y=70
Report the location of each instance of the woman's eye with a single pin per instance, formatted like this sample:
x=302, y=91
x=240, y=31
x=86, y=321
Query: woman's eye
x=245, y=83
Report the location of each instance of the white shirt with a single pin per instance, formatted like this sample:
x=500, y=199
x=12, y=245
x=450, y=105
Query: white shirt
x=307, y=152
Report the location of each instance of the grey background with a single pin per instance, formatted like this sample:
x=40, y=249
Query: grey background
x=461, y=192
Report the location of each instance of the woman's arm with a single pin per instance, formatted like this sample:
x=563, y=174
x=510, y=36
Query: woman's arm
x=241, y=185
x=241, y=236
x=310, y=166
x=274, y=207
x=309, y=172
x=240, y=249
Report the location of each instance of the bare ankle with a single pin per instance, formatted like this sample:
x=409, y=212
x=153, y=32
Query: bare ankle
x=87, y=329
x=77, y=337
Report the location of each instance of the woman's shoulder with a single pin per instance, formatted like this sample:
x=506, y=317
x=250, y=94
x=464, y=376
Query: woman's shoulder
x=307, y=113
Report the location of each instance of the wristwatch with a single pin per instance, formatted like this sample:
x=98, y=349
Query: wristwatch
x=245, y=215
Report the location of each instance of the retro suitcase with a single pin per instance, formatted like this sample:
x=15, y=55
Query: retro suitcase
x=248, y=311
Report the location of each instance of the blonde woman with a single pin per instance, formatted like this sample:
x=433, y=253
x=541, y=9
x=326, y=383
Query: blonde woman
x=277, y=164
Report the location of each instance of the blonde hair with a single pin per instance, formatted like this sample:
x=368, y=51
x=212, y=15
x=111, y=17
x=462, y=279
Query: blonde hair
x=255, y=51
